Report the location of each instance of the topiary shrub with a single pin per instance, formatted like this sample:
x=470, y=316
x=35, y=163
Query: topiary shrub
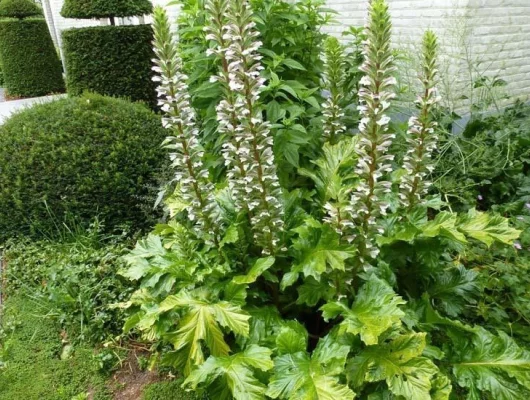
x=77, y=158
x=31, y=66
x=105, y=8
x=19, y=9
x=30, y=63
x=111, y=60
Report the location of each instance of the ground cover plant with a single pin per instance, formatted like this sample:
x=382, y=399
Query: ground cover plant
x=72, y=281
x=33, y=363
x=352, y=286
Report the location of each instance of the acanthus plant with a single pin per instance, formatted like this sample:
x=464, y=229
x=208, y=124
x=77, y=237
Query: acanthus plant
x=350, y=289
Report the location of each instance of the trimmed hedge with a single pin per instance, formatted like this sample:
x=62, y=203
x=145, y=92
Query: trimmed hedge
x=77, y=158
x=31, y=66
x=86, y=9
x=111, y=60
x=19, y=9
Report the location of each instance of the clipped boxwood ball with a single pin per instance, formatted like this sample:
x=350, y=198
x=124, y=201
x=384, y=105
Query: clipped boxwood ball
x=19, y=9
x=75, y=159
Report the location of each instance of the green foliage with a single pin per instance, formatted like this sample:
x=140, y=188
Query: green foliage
x=73, y=282
x=110, y=60
x=33, y=367
x=299, y=375
x=19, y=9
x=399, y=362
x=88, y=9
x=291, y=51
x=368, y=318
x=360, y=290
x=496, y=365
x=30, y=63
x=488, y=168
x=74, y=159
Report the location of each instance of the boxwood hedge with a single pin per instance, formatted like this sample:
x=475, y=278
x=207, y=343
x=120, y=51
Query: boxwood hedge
x=19, y=9
x=31, y=65
x=85, y=9
x=77, y=158
x=111, y=60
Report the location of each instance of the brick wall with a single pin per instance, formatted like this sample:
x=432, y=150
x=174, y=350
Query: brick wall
x=494, y=35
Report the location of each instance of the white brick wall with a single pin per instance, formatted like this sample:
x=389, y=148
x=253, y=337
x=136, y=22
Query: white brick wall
x=494, y=32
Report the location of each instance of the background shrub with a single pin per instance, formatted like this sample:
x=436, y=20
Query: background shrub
x=77, y=157
x=105, y=8
x=30, y=63
x=19, y=9
x=111, y=60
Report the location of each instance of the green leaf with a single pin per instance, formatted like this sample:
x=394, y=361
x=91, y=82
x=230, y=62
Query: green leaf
x=454, y=288
x=398, y=363
x=293, y=64
x=236, y=372
x=492, y=364
x=488, y=228
x=231, y=235
x=312, y=101
x=375, y=310
x=201, y=323
x=443, y=225
x=291, y=153
x=291, y=339
x=319, y=247
x=298, y=376
x=259, y=267
x=274, y=111
x=137, y=258
x=333, y=168
x=312, y=291
x=441, y=388
x=288, y=89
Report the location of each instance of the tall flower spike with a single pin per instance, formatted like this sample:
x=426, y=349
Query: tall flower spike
x=179, y=117
x=333, y=80
x=227, y=117
x=367, y=201
x=261, y=188
x=420, y=135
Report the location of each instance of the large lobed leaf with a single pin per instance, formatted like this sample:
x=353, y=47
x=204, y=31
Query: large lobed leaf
x=201, y=323
x=236, y=372
x=304, y=377
x=399, y=363
x=318, y=249
x=492, y=364
x=375, y=310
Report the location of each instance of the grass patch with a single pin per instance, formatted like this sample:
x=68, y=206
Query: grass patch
x=30, y=353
